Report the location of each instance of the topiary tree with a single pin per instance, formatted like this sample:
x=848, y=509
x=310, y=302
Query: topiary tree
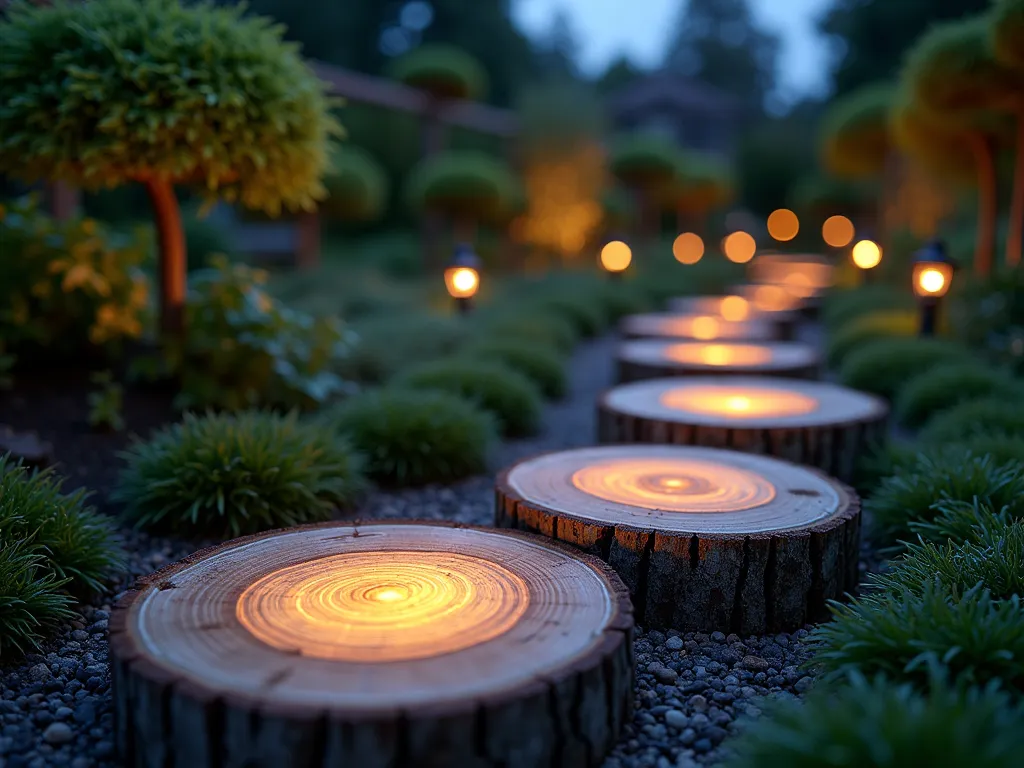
x=952, y=74
x=112, y=92
x=647, y=164
x=1007, y=29
x=855, y=140
x=357, y=185
x=702, y=184
x=821, y=196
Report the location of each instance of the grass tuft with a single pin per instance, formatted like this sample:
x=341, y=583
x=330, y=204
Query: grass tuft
x=882, y=366
x=32, y=598
x=540, y=364
x=946, y=386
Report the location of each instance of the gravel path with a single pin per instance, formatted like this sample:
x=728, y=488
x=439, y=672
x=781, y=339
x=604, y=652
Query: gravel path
x=55, y=707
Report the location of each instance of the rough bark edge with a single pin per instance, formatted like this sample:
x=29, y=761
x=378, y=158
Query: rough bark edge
x=665, y=571
x=164, y=719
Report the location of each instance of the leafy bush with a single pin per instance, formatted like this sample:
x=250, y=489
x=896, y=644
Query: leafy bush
x=78, y=546
x=621, y=299
x=867, y=328
x=445, y=71
x=31, y=600
x=66, y=286
x=883, y=725
x=388, y=344
x=587, y=315
x=843, y=307
x=881, y=367
x=512, y=398
x=467, y=186
x=945, y=386
x=414, y=438
x=974, y=418
x=988, y=316
x=229, y=474
x=910, y=497
x=537, y=327
x=539, y=363
x=357, y=185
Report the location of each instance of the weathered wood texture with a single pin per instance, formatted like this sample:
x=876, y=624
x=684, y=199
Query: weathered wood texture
x=203, y=674
x=652, y=359
x=845, y=425
x=700, y=327
x=769, y=568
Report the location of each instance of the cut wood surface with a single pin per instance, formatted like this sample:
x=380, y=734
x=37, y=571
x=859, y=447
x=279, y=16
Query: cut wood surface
x=807, y=422
x=705, y=539
x=700, y=327
x=652, y=358
x=377, y=645
x=755, y=306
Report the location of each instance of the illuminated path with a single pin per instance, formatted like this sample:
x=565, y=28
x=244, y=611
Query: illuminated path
x=652, y=358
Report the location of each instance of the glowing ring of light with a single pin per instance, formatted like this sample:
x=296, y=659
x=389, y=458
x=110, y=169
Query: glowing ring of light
x=383, y=606
x=740, y=402
x=720, y=354
x=676, y=485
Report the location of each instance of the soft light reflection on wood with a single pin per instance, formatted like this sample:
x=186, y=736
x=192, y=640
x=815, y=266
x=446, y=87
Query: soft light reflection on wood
x=739, y=402
x=719, y=354
x=383, y=606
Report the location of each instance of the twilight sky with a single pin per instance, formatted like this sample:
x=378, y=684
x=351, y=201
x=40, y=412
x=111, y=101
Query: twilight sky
x=639, y=28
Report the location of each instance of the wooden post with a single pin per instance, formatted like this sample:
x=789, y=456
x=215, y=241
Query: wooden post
x=307, y=240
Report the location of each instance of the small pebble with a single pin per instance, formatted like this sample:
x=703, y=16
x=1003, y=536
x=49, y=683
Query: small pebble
x=57, y=734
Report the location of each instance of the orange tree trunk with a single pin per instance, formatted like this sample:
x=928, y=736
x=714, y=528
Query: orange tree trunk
x=1015, y=237
x=172, y=255
x=985, y=242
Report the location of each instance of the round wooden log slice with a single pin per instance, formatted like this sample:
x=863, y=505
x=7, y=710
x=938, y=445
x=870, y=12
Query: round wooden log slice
x=728, y=308
x=700, y=327
x=705, y=539
x=651, y=359
x=377, y=645
x=808, y=422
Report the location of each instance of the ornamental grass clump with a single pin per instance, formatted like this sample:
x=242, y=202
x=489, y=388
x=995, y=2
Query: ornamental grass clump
x=220, y=475
x=386, y=345
x=538, y=362
x=946, y=386
x=546, y=328
x=32, y=598
x=974, y=418
x=587, y=314
x=882, y=366
x=513, y=399
x=880, y=724
x=866, y=328
x=843, y=307
x=413, y=438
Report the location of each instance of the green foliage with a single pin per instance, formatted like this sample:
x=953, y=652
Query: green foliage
x=357, y=185
x=388, y=344
x=945, y=386
x=512, y=398
x=855, y=132
x=702, y=183
x=866, y=328
x=583, y=311
x=539, y=363
x=31, y=600
x=911, y=496
x=988, y=316
x=546, y=328
x=820, y=197
x=880, y=724
x=882, y=366
x=224, y=475
x=78, y=546
x=939, y=148
x=414, y=438
x=882, y=461
x=462, y=185
x=968, y=521
x=110, y=91
x=66, y=287
x=444, y=71
x=973, y=419
x=105, y=403
x=1008, y=33
x=648, y=162
x=204, y=241
x=842, y=306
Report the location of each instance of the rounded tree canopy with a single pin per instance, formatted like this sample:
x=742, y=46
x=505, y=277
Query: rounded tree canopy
x=110, y=91
x=619, y=207
x=444, y=71
x=702, y=183
x=855, y=132
x=824, y=196
x=646, y=161
x=463, y=184
x=357, y=185
x=1007, y=20
x=942, y=150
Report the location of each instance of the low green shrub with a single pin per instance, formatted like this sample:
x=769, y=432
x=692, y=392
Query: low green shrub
x=945, y=386
x=842, y=307
x=78, y=545
x=621, y=299
x=910, y=497
x=1004, y=449
x=415, y=438
x=512, y=398
x=881, y=462
x=586, y=314
x=539, y=363
x=882, y=366
x=385, y=345
x=867, y=328
x=537, y=327
x=960, y=521
x=974, y=418
x=32, y=600
x=223, y=475
x=880, y=724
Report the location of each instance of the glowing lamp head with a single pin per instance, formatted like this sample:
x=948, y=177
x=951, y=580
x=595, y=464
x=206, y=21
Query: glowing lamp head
x=462, y=276
x=933, y=271
x=866, y=254
x=616, y=256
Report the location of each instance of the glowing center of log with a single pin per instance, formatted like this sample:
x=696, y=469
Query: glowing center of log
x=719, y=354
x=675, y=485
x=739, y=402
x=383, y=606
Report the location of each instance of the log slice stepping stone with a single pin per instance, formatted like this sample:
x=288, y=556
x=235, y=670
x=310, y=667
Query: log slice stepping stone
x=653, y=358
x=384, y=645
x=705, y=539
x=808, y=422
x=666, y=325
x=739, y=305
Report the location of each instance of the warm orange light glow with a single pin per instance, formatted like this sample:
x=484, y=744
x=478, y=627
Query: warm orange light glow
x=719, y=354
x=461, y=282
x=866, y=254
x=739, y=247
x=738, y=402
x=783, y=224
x=799, y=285
x=616, y=256
x=383, y=606
x=675, y=485
x=734, y=308
x=837, y=231
x=688, y=248
x=772, y=298
x=704, y=328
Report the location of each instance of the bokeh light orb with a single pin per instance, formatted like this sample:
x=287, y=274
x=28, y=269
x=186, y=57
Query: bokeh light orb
x=734, y=309
x=616, y=256
x=739, y=247
x=931, y=281
x=688, y=248
x=783, y=224
x=461, y=282
x=837, y=231
x=866, y=254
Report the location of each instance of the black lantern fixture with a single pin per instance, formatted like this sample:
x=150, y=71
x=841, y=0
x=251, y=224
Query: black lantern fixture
x=932, y=276
x=462, y=277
